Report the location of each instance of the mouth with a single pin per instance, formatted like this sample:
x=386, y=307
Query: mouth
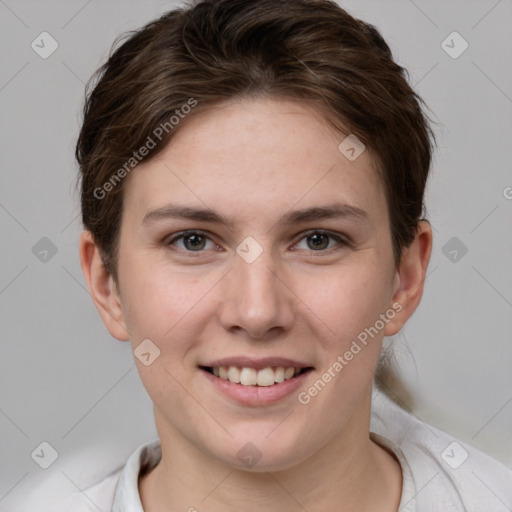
x=255, y=382
x=256, y=377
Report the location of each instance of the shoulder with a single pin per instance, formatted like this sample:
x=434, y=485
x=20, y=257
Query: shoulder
x=99, y=496
x=115, y=490
x=447, y=473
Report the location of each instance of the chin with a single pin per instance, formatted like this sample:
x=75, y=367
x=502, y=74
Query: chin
x=281, y=450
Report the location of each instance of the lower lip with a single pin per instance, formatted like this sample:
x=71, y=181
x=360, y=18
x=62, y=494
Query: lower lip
x=257, y=395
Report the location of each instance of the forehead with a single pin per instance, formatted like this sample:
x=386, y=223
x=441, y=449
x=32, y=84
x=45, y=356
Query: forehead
x=255, y=157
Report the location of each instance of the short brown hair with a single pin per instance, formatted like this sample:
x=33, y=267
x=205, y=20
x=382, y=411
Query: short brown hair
x=215, y=50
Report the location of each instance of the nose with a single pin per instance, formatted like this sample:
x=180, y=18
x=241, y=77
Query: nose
x=256, y=299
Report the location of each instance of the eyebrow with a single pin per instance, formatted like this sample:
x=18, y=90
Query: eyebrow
x=331, y=211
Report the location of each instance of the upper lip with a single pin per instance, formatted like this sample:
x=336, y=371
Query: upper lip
x=257, y=364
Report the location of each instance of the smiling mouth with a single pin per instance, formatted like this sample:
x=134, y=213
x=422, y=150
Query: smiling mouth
x=264, y=377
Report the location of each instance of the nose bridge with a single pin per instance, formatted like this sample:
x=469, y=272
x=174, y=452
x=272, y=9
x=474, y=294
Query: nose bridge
x=258, y=281
x=256, y=300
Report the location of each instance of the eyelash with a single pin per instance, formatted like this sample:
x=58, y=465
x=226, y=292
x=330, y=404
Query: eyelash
x=341, y=241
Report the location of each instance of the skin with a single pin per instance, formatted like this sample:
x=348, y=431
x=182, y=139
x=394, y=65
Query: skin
x=252, y=161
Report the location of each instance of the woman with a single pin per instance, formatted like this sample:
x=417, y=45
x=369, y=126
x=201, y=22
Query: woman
x=252, y=194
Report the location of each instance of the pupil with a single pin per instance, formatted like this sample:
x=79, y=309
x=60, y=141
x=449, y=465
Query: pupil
x=319, y=241
x=194, y=242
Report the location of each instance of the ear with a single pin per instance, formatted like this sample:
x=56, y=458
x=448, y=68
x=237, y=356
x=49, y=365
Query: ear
x=410, y=278
x=102, y=287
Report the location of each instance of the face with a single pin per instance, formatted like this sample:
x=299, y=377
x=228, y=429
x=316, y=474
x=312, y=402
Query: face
x=252, y=242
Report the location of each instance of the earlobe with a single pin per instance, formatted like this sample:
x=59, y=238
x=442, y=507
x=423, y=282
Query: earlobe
x=102, y=287
x=410, y=277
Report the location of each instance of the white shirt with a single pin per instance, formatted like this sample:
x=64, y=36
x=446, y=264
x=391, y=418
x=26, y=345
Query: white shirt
x=439, y=473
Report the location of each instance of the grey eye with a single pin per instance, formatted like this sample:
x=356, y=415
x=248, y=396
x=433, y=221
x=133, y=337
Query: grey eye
x=194, y=242
x=318, y=241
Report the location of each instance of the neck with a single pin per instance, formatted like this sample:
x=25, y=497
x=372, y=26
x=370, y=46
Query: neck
x=349, y=472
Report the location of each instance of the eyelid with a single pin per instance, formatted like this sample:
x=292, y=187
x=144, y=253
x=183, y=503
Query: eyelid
x=170, y=240
x=180, y=234
x=343, y=240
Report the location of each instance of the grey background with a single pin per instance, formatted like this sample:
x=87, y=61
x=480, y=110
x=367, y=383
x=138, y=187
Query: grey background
x=65, y=381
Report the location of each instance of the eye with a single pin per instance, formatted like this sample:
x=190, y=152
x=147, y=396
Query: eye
x=191, y=241
x=321, y=240
x=197, y=241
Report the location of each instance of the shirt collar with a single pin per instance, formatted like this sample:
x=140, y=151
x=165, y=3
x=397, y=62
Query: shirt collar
x=144, y=458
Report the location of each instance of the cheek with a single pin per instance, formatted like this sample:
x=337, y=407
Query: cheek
x=160, y=303
x=345, y=301
x=345, y=306
x=168, y=308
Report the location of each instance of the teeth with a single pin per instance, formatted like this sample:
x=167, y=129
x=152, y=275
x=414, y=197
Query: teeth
x=248, y=376
x=279, y=374
x=288, y=373
x=251, y=377
x=234, y=374
x=265, y=377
